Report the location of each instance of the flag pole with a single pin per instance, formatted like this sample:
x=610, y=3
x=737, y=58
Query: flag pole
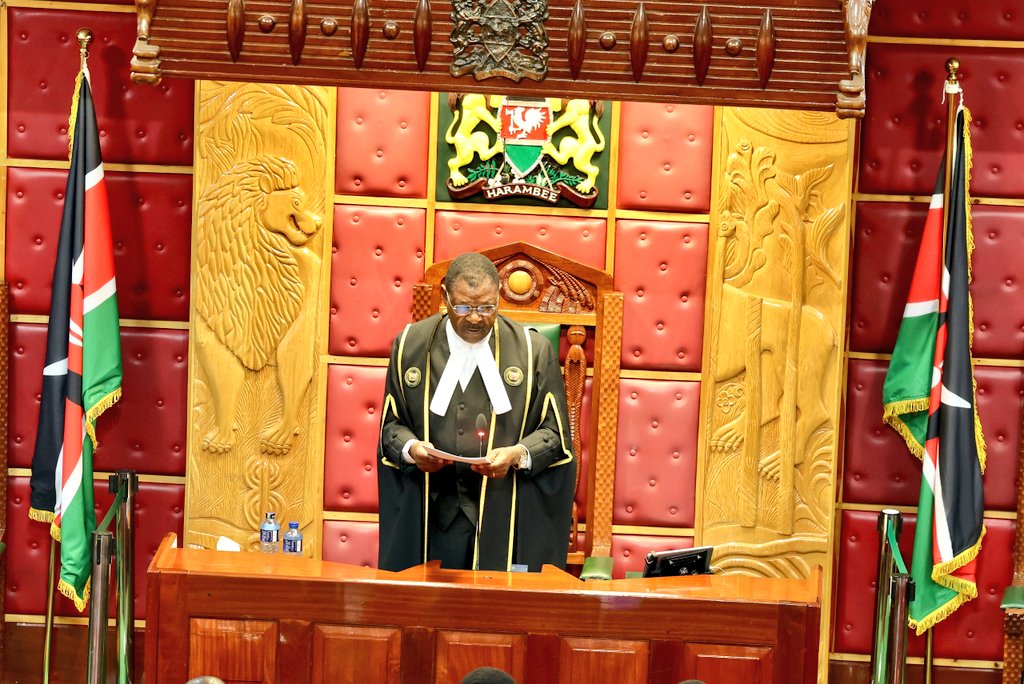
x=48, y=629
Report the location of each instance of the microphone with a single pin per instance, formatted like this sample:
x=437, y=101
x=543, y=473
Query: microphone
x=481, y=431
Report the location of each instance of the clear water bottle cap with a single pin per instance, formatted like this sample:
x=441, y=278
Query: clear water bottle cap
x=293, y=525
x=271, y=515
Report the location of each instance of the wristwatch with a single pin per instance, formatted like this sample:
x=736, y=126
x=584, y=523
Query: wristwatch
x=524, y=458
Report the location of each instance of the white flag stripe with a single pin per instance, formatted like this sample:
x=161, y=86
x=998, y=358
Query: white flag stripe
x=93, y=177
x=102, y=294
x=953, y=400
x=936, y=202
x=57, y=368
x=74, y=328
x=58, y=476
x=941, y=525
x=925, y=308
x=74, y=481
x=78, y=268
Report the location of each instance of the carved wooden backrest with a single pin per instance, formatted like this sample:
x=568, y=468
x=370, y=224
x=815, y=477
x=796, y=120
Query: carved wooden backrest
x=538, y=286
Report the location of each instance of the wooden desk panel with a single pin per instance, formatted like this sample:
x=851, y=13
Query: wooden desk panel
x=431, y=625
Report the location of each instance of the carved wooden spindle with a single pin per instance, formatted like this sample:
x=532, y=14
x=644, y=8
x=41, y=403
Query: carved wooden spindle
x=575, y=378
x=703, y=35
x=421, y=33
x=360, y=31
x=765, y=48
x=577, y=38
x=850, y=101
x=639, y=42
x=297, y=30
x=236, y=27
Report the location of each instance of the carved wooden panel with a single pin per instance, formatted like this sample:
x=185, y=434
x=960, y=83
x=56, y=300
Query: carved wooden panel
x=599, y=49
x=259, y=241
x=583, y=661
x=778, y=288
x=725, y=663
x=233, y=650
x=353, y=655
x=462, y=652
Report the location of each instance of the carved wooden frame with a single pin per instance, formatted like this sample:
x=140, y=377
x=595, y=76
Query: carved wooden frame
x=599, y=308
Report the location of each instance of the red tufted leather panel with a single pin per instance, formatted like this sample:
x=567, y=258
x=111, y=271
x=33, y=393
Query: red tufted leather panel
x=583, y=463
x=904, y=128
x=145, y=430
x=667, y=152
x=582, y=239
x=138, y=123
x=382, y=142
x=350, y=542
x=656, y=453
x=353, y=425
x=629, y=550
x=151, y=224
x=661, y=269
x=878, y=469
x=378, y=258
x=973, y=631
x=158, y=510
x=957, y=19
x=885, y=249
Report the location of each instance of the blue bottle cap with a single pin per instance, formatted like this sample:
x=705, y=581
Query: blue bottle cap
x=293, y=525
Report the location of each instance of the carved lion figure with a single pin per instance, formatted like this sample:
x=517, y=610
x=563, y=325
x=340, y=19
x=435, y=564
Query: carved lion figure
x=253, y=272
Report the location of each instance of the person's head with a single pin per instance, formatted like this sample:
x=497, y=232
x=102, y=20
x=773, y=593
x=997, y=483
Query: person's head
x=472, y=282
x=488, y=675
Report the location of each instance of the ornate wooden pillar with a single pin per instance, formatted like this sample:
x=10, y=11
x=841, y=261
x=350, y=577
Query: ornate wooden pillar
x=777, y=282
x=261, y=237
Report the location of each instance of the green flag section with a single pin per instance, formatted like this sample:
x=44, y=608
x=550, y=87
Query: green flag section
x=929, y=399
x=82, y=371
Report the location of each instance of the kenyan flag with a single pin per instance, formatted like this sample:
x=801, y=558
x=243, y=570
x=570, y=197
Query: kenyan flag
x=929, y=399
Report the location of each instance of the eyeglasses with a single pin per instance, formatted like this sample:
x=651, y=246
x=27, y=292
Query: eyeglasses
x=466, y=309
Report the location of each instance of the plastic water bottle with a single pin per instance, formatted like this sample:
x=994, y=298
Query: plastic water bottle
x=270, y=533
x=293, y=540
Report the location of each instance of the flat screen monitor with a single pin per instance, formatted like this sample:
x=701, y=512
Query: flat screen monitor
x=675, y=562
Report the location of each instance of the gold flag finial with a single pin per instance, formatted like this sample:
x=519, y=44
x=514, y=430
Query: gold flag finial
x=84, y=36
x=952, y=66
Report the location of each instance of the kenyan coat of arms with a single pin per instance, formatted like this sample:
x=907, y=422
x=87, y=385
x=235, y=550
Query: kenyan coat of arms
x=540, y=148
x=500, y=38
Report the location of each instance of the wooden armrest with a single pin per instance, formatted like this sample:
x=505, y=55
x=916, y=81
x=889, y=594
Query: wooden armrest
x=597, y=568
x=1013, y=597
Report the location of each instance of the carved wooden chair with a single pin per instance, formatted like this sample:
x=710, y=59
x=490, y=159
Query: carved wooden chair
x=1013, y=597
x=540, y=287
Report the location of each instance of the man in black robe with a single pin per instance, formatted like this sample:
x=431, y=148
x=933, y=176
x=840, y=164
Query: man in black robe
x=472, y=382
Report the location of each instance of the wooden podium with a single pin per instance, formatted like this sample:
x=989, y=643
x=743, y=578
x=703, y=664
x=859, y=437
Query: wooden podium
x=247, y=617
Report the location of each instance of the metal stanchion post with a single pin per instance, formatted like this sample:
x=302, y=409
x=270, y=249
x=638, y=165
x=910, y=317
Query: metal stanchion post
x=127, y=481
x=901, y=592
x=101, y=543
x=880, y=638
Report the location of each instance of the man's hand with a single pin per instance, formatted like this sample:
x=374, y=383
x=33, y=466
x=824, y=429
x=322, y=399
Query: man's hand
x=423, y=460
x=499, y=461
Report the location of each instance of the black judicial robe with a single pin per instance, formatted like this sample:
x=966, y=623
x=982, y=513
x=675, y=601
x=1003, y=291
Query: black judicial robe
x=523, y=518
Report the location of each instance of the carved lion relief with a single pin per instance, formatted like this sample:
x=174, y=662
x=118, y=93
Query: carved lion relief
x=256, y=289
x=778, y=284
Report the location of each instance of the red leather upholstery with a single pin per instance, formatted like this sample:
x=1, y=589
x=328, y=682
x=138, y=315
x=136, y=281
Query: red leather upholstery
x=661, y=269
x=382, y=142
x=655, y=468
x=159, y=508
x=629, y=550
x=582, y=239
x=351, y=542
x=956, y=19
x=377, y=259
x=973, y=631
x=878, y=469
x=354, y=396
x=144, y=431
x=667, y=150
x=152, y=240
x=138, y=123
x=858, y=574
x=886, y=244
x=904, y=127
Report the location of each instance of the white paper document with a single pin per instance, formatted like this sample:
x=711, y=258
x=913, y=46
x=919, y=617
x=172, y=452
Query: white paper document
x=473, y=460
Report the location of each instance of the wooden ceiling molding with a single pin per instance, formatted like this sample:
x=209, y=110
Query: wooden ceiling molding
x=795, y=54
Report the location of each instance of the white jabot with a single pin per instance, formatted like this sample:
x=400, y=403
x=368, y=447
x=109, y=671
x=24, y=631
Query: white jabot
x=464, y=360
